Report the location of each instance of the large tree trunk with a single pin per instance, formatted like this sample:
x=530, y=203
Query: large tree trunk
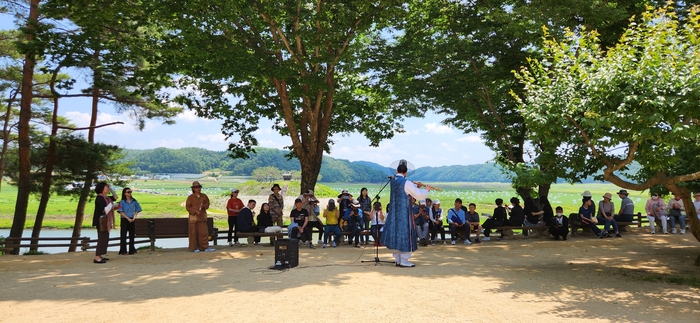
x=310, y=168
x=50, y=161
x=25, y=114
x=543, y=190
x=6, y=133
x=80, y=212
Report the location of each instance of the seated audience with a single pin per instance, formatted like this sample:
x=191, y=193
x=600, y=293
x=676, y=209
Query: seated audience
x=656, y=210
x=626, y=213
x=436, y=222
x=676, y=212
x=246, y=222
x=300, y=218
x=355, y=223
x=458, y=222
x=264, y=218
x=496, y=220
x=474, y=222
x=560, y=225
x=606, y=214
x=587, y=218
x=421, y=220
x=377, y=221
x=532, y=215
x=331, y=214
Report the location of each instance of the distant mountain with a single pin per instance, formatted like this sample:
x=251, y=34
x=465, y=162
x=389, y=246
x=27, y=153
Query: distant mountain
x=198, y=160
x=488, y=172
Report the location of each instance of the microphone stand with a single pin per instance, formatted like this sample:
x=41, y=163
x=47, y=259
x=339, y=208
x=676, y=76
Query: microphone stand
x=376, y=247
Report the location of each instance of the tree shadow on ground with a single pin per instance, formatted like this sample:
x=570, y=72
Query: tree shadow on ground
x=578, y=275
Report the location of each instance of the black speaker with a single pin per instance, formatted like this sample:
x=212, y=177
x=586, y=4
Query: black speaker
x=287, y=253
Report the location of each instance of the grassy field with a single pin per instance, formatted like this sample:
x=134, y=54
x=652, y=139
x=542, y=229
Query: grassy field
x=166, y=198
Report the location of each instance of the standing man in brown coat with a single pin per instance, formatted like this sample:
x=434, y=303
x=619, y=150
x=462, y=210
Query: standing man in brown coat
x=197, y=205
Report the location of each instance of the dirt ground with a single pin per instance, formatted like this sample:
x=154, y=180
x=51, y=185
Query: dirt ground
x=629, y=279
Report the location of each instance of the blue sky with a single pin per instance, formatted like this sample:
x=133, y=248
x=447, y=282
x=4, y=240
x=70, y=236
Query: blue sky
x=426, y=142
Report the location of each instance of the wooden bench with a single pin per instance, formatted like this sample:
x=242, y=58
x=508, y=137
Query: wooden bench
x=164, y=228
x=47, y=242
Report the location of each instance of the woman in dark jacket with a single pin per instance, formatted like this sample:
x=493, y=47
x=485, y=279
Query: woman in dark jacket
x=104, y=210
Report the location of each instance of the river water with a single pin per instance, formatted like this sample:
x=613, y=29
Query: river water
x=92, y=234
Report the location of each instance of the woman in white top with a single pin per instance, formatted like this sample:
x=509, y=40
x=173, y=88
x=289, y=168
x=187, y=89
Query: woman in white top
x=377, y=221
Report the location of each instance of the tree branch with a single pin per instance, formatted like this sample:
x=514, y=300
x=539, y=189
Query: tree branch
x=88, y=128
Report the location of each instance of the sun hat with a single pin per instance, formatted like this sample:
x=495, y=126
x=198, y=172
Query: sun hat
x=195, y=183
x=233, y=190
x=607, y=195
x=587, y=193
x=355, y=203
x=422, y=202
x=623, y=192
x=275, y=185
x=436, y=201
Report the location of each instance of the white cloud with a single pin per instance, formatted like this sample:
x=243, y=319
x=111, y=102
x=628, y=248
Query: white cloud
x=83, y=120
x=447, y=146
x=473, y=139
x=438, y=129
x=279, y=144
x=214, y=137
x=173, y=143
x=188, y=115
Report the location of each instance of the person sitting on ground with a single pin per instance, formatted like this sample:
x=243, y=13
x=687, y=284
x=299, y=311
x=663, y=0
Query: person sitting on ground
x=300, y=217
x=310, y=203
x=436, y=222
x=626, y=213
x=264, y=218
x=496, y=220
x=656, y=210
x=420, y=220
x=458, y=222
x=331, y=214
x=560, y=225
x=676, y=211
x=474, y=222
x=606, y=214
x=532, y=215
x=587, y=218
x=377, y=221
x=246, y=222
x=355, y=223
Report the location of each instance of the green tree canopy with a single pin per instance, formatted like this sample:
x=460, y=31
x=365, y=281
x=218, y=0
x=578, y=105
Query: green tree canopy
x=637, y=101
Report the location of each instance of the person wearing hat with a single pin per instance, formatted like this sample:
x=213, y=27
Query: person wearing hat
x=344, y=202
x=626, y=213
x=276, y=202
x=198, y=232
x=676, y=211
x=436, y=222
x=310, y=203
x=233, y=207
x=656, y=210
x=355, y=223
x=606, y=212
x=331, y=214
x=399, y=233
